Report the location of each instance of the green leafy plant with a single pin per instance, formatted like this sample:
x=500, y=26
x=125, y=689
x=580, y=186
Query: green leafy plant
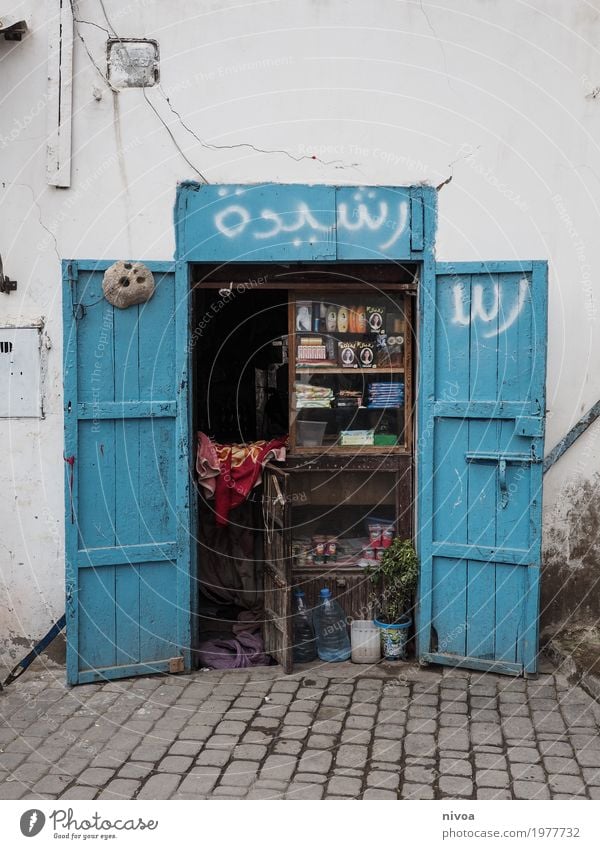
x=394, y=579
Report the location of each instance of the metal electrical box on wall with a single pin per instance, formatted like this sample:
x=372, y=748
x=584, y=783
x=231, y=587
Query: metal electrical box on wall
x=20, y=372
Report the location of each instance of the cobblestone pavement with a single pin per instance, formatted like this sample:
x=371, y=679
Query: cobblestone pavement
x=334, y=731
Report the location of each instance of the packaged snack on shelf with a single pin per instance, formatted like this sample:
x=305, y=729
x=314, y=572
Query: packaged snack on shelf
x=375, y=319
x=366, y=354
x=348, y=354
x=357, y=437
x=304, y=316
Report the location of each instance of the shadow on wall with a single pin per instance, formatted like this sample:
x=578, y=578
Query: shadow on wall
x=570, y=590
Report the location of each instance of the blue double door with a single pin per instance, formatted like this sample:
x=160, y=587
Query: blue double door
x=479, y=444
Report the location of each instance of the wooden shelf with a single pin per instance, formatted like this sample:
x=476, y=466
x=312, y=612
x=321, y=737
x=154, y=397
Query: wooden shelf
x=335, y=370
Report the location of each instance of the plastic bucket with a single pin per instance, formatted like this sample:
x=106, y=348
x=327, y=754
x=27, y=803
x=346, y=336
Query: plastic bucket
x=394, y=638
x=365, y=641
x=310, y=434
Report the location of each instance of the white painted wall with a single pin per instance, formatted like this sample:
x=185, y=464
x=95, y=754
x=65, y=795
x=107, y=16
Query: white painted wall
x=497, y=95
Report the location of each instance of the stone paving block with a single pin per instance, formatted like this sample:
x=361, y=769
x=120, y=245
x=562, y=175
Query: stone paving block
x=588, y=757
x=304, y=791
x=483, y=702
x=285, y=686
x=493, y=793
x=422, y=712
x=420, y=744
x=351, y=756
x=530, y=790
x=321, y=741
x=106, y=758
x=392, y=717
x=419, y=775
x=565, y=766
x=278, y=767
x=230, y=727
x=362, y=709
x=384, y=780
x=556, y=748
x=248, y=702
x=553, y=722
x=492, y=778
x=591, y=776
x=52, y=785
x=120, y=788
x=453, y=720
x=571, y=785
x=389, y=732
x=421, y=726
x=298, y=718
x=315, y=761
x=265, y=793
x=249, y=751
x=175, y=763
x=450, y=766
x=453, y=707
x=294, y=732
x=387, y=750
x=483, y=732
x=96, y=776
x=238, y=715
x=135, y=770
x=327, y=726
x=239, y=774
x=489, y=760
x=375, y=793
x=188, y=748
x=148, y=752
x=455, y=786
x=311, y=777
x=339, y=702
x=456, y=739
x=198, y=782
x=213, y=757
x=79, y=793
x=356, y=737
x=287, y=747
x=195, y=732
x=221, y=741
x=523, y=754
x=344, y=786
x=416, y=791
x=527, y=772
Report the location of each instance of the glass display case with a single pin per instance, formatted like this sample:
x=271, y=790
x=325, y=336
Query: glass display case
x=350, y=372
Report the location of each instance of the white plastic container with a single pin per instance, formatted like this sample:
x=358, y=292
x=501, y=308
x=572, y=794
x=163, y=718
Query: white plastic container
x=310, y=434
x=366, y=641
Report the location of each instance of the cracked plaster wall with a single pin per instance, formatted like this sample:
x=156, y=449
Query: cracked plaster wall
x=500, y=96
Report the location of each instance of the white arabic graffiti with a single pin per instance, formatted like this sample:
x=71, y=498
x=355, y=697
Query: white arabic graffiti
x=478, y=309
x=235, y=219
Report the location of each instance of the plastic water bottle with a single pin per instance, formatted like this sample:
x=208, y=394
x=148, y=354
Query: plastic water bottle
x=333, y=642
x=305, y=644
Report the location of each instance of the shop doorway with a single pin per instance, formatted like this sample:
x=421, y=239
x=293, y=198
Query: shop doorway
x=321, y=358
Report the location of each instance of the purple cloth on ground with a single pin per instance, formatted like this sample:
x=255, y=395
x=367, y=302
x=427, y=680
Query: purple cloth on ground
x=239, y=652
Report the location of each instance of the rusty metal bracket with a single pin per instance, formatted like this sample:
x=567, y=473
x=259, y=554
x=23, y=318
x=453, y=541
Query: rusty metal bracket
x=565, y=443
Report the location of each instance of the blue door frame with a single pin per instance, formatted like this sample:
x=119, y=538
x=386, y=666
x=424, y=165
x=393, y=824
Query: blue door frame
x=107, y=634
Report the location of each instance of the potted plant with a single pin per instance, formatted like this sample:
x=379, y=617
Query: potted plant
x=394, y=579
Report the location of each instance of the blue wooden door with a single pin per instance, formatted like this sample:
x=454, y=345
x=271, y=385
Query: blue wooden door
x=126, y=478
x=481, y=417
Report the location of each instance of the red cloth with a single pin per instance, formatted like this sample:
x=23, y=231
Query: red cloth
x=230, y=472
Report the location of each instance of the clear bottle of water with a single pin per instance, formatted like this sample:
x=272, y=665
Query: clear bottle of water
x=333, y=642
x=305, y=644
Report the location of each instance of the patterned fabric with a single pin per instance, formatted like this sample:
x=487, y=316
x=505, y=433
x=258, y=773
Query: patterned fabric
x=230, y=472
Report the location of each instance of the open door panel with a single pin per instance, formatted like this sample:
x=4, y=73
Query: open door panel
x=277, y=573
